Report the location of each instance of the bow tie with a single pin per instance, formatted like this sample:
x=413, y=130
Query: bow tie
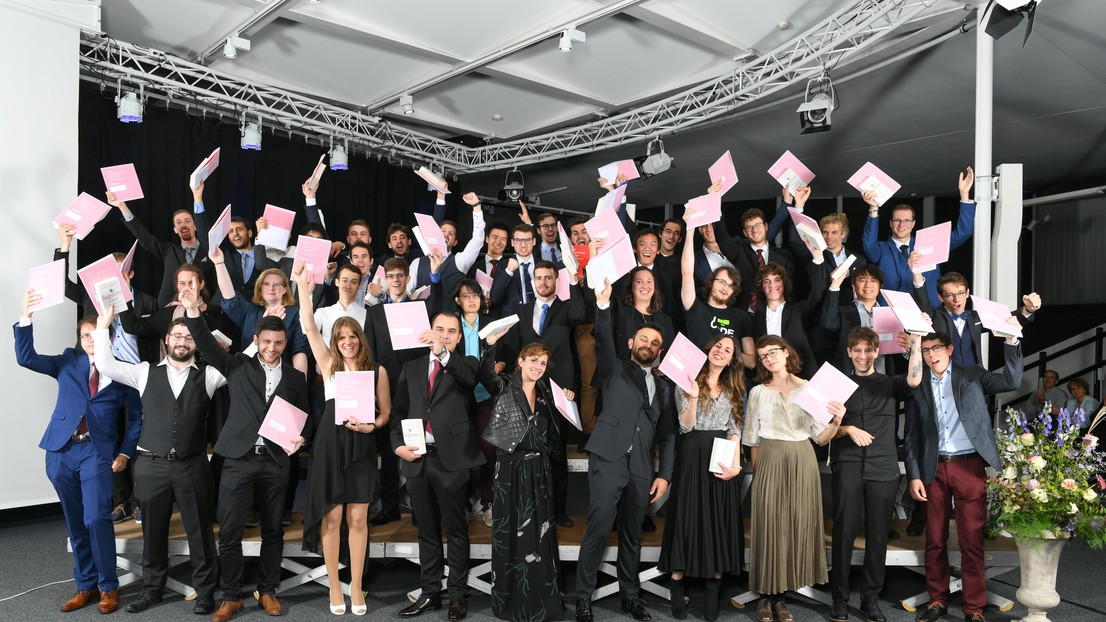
x=959, y=316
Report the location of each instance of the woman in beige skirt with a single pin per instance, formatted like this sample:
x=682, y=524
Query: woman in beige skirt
x=786, y=549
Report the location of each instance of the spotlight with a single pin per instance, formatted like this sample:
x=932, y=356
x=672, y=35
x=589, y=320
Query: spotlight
x=339, y=160
x=818, y=104
x=514, y=186
x=570, y=35
x=655, y=159
x=408, y=103
x=233, y=44
x=251, y=134
x=1007, y=15
x=129, y=106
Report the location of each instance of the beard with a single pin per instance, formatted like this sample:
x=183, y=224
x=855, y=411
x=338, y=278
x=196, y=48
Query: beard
x=643, y=361
x=179, y=358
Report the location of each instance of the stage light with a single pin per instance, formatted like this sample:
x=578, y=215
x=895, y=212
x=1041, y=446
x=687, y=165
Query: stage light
x=339, y=159
x=129, y=107
x=1005, y=15
x=655, y=160
x=233, y=44
x=514, y=186
x=818, y=105
x=408, y=103
x=251, y=134
x=570, y=35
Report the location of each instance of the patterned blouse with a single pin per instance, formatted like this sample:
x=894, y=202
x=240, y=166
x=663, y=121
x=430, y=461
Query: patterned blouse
x=719, y=417
x=768, y=415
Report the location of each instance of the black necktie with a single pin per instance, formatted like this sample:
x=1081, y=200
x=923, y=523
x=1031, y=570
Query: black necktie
x=905, y=250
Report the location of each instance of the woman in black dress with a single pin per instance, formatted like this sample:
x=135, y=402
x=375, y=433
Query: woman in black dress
x=703, y=534
x=343, y=457
x=525, y=575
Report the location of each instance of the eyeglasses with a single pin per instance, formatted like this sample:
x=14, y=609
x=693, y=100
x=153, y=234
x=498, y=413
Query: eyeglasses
x=724, y=283
x=523, y=240
x=672, y=231
x=86, y=336
x=935, y=349
x=548, y=225
x=955, y=295
x=181, y=337
x=469, y=296
x=755, y=227
x=399, y=276
x=901, y=221
x=770, y=354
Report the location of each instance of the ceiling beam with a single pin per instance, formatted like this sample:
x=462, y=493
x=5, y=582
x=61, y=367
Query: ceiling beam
x=729, y=48
x=375, y=39
x=260, y=18
x=546, y=88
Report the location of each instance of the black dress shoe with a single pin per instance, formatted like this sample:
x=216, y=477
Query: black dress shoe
x=384, y=518
x=932, y=613
x=204, y=605
x=563, y=521
x=583, y=610
x=636, y=608
x=420, y=606
x=839, y=611
x=457, y=609
x=917, y=525
x=893, y=534
x=143, y=602
x=647, y=524
x=872, y=610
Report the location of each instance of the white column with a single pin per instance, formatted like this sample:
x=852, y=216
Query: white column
x=981, y=247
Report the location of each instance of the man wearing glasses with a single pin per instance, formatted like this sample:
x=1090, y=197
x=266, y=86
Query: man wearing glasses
x=892, y=255
x=516, y=286
x=550, y=239
x=759, y=253
x=949, y=442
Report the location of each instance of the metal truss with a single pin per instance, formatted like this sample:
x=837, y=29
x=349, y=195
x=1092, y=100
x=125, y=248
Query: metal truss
x=180, y=82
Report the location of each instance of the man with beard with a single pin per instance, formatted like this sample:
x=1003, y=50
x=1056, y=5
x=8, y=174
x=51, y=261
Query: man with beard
x=672, y=232
x=171, y=464
x=638, y=408
x=244, y=259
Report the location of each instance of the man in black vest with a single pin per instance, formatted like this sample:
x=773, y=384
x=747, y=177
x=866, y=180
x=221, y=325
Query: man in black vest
x=636, y=406
x=171, y=464
x=254, y=468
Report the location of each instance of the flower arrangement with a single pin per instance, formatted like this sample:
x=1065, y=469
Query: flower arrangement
x=1051, y=485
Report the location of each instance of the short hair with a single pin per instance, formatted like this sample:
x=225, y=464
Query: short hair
x=358, y=222
x=940, y=336
x=314, y=227
x=735, y=276
x=199, y=274
x=903, y=207
x=1079, y=382
x=450, y=223
x=752, y=213
x=644, y=233
x=397, y=263
x=285, y=300
x=271, y=322
x=348, y=267
x=186, y=212
x=545, y=215
x=448, y=314
x=180, y=321
x=840, y=220
x=656, y=303
x=244, y=221
x=675, y=221
x=579, y=220
x=92, y=319
x=397, y=227
x=650, y=326
x=794, y=363
x=497, y=225
x=534, y=348
x=522, y=228
x=1051, y=371
x=952, y=278
x=473, y=287
x=360, y=244
x=863, y=334
x=773, y=268
x=869, y=270
x=119, y=257
x=542, y=264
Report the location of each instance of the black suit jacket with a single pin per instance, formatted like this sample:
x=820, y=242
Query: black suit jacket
x=233, y=259
x=172, y=256
x=380, y=339
x=448, y=409
x=558, y=336
x=943, y=322
x=248, y=405
x=798, y=316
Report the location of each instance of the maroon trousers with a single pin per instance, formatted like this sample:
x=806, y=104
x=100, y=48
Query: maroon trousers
x=965, y=482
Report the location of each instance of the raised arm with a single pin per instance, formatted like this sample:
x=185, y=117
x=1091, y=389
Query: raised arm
x=606, y=360
x=25, y=353
x=464, y=259
x=319, y=347
x=206, y=344
x=129, y=374
x=687, y=267
x=965, y=224
x=226, y=286
x=146, y=239
x=872, y=248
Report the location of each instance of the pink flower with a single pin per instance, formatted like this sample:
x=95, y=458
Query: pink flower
x=1068, y=484
x=1034, y=484
x=1090, y=440
x=1101, y=482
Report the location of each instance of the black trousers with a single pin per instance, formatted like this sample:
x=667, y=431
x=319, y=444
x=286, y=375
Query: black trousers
x=158, y=482
x=438, y=499
x=246, y=480
x=389, y=471
x=852, y=495
x=613, y=492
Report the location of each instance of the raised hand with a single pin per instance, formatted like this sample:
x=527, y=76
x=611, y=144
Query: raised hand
x=606, y=185
x=604, y=297
x=277, y=311
x=869, y=197
x=336, y=248
x=436, y=261
x=802, y=193
x=198, y=193
x=964, y=183
x=524, y=215
x=216, y=255
x=190, y=301
x=837, y=409
x=1032, y=301
x=104, y=320
x=65, y=234
x=694, y=390
x=30, y=299
x=471, y=199
x=300, y=275
x=512, y=265
x=262, y=223
x=114, y=203
x=308, y=191
x=715, y=187
x=494, y=337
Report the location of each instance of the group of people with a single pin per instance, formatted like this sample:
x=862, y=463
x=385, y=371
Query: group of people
x=237, y=327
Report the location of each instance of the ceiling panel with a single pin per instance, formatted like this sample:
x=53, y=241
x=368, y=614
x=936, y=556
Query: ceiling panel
x=181, y=27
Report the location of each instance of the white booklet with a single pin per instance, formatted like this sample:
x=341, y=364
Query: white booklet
x=414, y=435
x=724, y=451
x=111, y=294
x=498, y=325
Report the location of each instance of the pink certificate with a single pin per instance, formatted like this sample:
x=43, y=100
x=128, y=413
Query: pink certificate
x=828, y=385
x=910, y=316
x=128, y=261
x=790, y=172
x=933, y=244
x=354, y=397
x=888, y=327
x=431, y=233
x=607, y=227
x=219, y=230
x=204, y=170
x=48, y=281
x=315, y=254
x=611, y=171
x=317, y=174
x=565, y=406
x=807, y=228
x=283, y=424
x=485, y=281
x=407, y=321
x=104, y=283
x=723, y=171
x=378, y=277
x=279, y=231
x=611, y=265
x=707, y=209
x=684, y=359
x=84, y=212
x=612, y=199
x=869, y=177
x=437, y=184
x=995, y=317
x=123, y=181
x=567, y=256
x=563, y=285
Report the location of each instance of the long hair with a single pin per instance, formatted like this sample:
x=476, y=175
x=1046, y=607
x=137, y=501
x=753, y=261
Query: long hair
x=794, y=364
x=732, y=381
x=259, y=300
x=655, y=303
x=364, y=356
x=774, y=269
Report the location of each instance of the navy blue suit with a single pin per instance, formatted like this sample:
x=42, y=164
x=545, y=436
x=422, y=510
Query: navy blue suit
x=81, y=472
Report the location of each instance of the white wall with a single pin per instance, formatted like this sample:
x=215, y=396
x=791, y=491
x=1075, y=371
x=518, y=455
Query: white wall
x=38, y=172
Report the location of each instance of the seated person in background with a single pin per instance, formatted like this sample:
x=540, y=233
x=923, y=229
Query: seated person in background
x=1081, y=400
x=1049, y=393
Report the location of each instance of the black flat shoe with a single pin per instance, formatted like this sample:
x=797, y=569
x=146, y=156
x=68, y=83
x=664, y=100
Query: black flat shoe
x=204, y=605
x=872, y=611
x=583, y=610
x=142, y=603
x=636, y=608
x=839, y=612
x=563, y=521
x=384, y=518
x=420, y=606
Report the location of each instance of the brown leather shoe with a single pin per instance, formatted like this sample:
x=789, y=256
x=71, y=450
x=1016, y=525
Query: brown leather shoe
x=109, y=601
x=226, y=610
x=81, y=598
x=271, y=605
x=764, y=611
x=782, y=614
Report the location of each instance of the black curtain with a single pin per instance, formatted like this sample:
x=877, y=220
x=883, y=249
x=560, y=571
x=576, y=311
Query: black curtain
x=168, y=145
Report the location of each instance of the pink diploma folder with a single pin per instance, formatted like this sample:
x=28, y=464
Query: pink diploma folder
x=933, y=243
x=204, y=170
x=887, y=326
x=317, y=174
x=407, y=322
x=219, y=230
x=995, y=317
x=607, y=227
x=354, y=397
x=279, y=231
x=707, y=209
x=869, y=177
x=104, y=282
x=611, y=265
x=790, y=172
x=315, y=254
x=128, y=261
x=378, y=276
x=684, y=359
x=723, y=170
x=807, y=228
x=84, y=212
x=437, y=184
x=566, y=407
x=828, y=385
x=283, y=424
x=564, y=291
x=612, y=199
x=48, y=281
x=431, y=234
x=123, y=181
x=484, y=280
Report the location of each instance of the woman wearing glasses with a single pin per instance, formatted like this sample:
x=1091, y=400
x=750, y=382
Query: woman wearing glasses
x=786, y=550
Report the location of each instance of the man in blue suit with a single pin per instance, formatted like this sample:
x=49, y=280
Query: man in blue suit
x=892, y=255
x=81, y=453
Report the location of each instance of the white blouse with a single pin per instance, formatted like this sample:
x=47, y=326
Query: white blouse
x=768, y=415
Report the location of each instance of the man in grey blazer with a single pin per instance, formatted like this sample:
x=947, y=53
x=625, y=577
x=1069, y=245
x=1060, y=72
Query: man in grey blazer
x=949, y=443
x=637, y=408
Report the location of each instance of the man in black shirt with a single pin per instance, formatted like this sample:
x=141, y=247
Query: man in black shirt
x=865, y=469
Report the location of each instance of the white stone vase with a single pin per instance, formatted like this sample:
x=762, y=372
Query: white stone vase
x=1039, y=559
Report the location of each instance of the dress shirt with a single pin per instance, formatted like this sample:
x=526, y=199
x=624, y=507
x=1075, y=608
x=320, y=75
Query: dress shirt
x=550, y=253
x=763, y=249
x=125, y=345
x=443, y=358
x=246, y=257
x=489, y=268
x=471, y=335
x=327, y=316
x=952, y=438
x=716, y=260
x=768, y=415
x=538, y=302
x=197, y=208
x=137, y=375
x=774, y=320
x=839, y=258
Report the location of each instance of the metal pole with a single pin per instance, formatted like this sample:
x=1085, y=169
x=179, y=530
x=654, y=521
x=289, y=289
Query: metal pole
x=984, y=73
